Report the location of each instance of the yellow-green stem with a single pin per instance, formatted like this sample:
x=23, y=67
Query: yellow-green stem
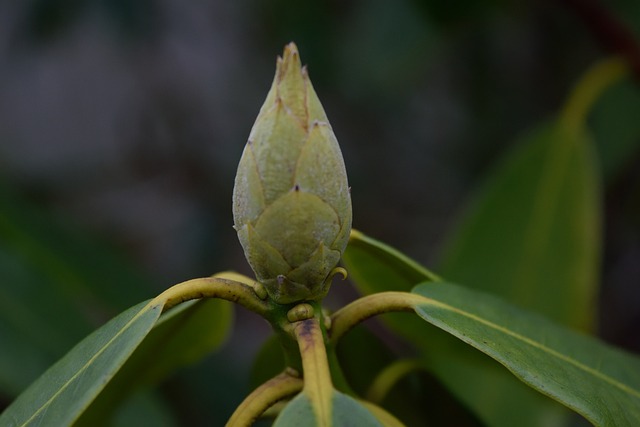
x=343, y=320
x=589, y=88
x=389, y=377
x=276, y=389
x=315, y=365
x=213, y=287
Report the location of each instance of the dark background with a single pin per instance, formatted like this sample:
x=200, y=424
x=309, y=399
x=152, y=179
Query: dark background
x=124, y=121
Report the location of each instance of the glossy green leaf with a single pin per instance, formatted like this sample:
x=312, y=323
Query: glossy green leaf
x=534, y=229
x=378, y=267
x=375, y=267
x=138, y=348
x=598, y=381
x=470, y=376
x=181, y=337
x=63, y=392
x=346, y=411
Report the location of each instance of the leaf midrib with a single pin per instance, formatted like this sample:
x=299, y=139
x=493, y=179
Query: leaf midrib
x=621, y=386
x=45, y=405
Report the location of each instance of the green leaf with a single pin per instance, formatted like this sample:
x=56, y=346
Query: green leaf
x=533, y=234
x=136, y=349
x=494, y=395
x=181, y=337
x=346, y=411
x=600, y=382
x=298, y=412
x=376, y=267
x=63, y=392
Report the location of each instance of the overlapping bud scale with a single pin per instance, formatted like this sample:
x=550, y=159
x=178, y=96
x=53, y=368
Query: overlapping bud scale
x=291, y=202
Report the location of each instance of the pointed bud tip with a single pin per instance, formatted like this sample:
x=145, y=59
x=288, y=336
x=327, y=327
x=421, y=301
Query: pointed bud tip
x=291, y=47
x=289, y=61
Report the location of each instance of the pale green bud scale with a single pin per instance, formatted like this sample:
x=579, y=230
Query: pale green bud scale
x=291, y=202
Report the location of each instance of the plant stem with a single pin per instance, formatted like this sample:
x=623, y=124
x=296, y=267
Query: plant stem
x=213, y=287
x=315, y=365
x=589, y=88
x=611, y=31
x=385, y=380
x=343, y=320
x=277, y=388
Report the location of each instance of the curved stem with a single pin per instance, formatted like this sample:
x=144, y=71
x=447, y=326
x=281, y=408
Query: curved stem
x=277, y=388
x=612, y=32
x=315, y=366
x=258, y=288
x=343, y=320
x=213, y=287
x=385, y=380
x=589, y=88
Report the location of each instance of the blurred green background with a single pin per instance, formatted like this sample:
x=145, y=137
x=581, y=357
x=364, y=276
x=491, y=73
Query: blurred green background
x=122, y=122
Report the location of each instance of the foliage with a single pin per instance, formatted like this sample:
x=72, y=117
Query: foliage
x=527, y=254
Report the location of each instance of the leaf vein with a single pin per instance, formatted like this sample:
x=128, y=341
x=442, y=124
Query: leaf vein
x=624, y=387
x=152, y=305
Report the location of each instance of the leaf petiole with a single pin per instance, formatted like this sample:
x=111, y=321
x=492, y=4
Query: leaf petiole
x=589, y=88
x=389, y=377
x=315, y=365
x=227, y=286
x=264, y=397
x=343, y=320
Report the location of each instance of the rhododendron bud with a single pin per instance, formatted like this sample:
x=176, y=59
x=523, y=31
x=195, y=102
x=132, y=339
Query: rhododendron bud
x=291, y=202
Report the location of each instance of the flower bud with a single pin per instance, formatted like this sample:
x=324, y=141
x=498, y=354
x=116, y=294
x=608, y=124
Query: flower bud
x=291, y=202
